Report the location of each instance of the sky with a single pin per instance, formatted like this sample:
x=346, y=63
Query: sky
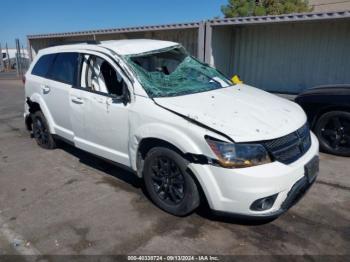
x=24, y=17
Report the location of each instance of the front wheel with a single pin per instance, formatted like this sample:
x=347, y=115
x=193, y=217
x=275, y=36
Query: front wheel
x=333, y=132
x=168, y=182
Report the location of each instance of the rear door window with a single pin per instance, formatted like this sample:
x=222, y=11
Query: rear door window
x=64, y=68
x=43, y=65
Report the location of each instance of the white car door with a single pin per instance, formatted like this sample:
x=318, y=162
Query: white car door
x=56, y=91
x=77, y=107
x=105, y=131
x=77, y=116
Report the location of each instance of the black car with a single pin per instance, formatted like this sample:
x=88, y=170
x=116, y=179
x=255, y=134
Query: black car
x=328, y=111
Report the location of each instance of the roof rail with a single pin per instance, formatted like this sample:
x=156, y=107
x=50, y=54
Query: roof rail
x=89, y=42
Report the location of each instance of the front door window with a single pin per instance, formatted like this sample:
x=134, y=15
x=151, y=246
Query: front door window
x=100, y=76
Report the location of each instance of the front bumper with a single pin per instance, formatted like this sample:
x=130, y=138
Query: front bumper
x=234, y=190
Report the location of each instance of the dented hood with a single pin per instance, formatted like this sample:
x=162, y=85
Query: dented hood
x=241, y=112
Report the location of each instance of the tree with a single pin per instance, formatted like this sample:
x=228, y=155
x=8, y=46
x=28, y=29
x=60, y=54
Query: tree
x=236, y=8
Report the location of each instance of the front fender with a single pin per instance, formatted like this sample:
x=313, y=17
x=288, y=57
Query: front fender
x=170, y=134
x=37, y=98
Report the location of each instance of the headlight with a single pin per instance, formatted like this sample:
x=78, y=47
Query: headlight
x=232, y=155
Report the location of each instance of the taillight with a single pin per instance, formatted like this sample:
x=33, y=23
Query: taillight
x=23, y=79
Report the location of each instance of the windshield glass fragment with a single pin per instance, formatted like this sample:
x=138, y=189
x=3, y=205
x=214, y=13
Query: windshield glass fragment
x=172, y=72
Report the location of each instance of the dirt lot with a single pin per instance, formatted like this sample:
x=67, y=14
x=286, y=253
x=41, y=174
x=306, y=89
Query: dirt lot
x=66, y=201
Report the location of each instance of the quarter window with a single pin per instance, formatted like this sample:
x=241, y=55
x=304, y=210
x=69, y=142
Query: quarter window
x=64, y=68
x=43, y=65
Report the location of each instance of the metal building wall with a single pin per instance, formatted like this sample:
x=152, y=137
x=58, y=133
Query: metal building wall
x=186, y=34
x=284, y=57
x=282, y=53
x=34, y=45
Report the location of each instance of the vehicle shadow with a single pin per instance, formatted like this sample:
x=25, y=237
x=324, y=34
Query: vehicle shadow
x=205, y=212
x=103, y=165
x=113, y=170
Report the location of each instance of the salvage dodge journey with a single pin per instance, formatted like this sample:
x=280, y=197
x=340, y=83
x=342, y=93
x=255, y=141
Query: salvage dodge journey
x=190, y=133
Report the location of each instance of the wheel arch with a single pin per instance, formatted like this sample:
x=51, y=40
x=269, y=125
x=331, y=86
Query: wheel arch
x=146, y=144
x=36, y=102
x=327, y=109
x=152, y=134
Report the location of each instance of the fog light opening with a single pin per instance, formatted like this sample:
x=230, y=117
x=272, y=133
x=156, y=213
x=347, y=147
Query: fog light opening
x=263, y=203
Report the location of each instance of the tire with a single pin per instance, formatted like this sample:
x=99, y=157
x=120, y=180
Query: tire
x=168, y=183
x=333, y=132
x=41, y=131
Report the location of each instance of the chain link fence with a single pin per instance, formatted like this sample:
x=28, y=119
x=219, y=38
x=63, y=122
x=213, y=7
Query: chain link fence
x=14, y=60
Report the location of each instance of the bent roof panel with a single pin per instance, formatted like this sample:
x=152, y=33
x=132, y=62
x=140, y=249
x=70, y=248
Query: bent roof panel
x=136, y=46
x=121, y=47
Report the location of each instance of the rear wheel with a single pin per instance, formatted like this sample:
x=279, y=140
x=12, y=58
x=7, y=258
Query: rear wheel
x=41, y=131
x=168, y=182
x=333, y=132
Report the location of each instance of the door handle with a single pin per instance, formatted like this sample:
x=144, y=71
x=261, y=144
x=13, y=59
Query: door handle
x=77, y=100
x=45, y=88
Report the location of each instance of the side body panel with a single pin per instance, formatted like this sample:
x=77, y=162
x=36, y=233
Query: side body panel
x=100, y=123
x=34, y=91
x=148, y=120
x=56, y=96
x=106, y=128
x=77, y=115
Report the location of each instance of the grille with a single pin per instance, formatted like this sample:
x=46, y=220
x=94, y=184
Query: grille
x=290, y=148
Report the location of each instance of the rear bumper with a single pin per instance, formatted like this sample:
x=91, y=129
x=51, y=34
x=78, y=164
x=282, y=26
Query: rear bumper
x=27, y=118
x=234, y=190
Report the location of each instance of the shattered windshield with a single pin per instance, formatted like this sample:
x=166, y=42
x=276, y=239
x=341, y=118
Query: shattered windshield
x=172, y=72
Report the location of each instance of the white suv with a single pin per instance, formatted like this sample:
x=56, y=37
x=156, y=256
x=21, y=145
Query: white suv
x=177, y=123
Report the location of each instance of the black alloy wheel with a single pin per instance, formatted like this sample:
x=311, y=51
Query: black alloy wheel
x=333, y=132
x=41, y=131
x=169, y=183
